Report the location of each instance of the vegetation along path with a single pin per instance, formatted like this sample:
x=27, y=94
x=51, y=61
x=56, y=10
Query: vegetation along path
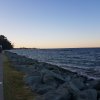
x=1, y=78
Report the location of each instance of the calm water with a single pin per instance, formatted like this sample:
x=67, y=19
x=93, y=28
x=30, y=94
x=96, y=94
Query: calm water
x=82, y=60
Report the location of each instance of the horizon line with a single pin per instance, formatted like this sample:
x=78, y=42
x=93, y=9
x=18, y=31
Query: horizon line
x=52, y=48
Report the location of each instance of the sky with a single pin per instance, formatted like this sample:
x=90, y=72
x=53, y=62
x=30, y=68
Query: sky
x=51, y=23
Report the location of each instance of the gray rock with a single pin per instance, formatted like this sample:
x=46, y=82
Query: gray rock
x=73, y=90
x=55, y=75
x=97, y=86
x=31, y=80
x=98, y=93
x=34, y=86
x=49, y=79
x=35, y=72
x=57, y=95
x=78, y=83
x=89, y=94
x=63, y=92
x=42, y=89
x=92, y=84
x=39, y=98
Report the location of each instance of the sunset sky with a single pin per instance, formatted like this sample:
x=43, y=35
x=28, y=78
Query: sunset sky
x=51, y=23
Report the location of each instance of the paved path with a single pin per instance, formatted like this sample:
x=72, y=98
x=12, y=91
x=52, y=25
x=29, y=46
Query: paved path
x=1, y=78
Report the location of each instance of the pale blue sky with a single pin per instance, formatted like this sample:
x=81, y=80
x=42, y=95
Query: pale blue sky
x=51, y=23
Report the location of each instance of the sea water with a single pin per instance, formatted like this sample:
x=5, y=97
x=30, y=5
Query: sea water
x=85, y=61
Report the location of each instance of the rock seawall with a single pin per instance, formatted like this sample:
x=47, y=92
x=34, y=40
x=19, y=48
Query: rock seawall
x=54, y=83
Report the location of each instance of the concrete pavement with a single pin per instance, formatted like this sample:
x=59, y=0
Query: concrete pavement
x=1, y=77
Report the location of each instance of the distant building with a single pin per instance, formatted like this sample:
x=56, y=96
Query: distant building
x=0, y=48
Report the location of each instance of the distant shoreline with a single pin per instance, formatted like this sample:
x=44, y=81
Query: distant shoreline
x=62, y=48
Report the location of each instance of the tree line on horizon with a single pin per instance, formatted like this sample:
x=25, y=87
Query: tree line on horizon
x=5, y=43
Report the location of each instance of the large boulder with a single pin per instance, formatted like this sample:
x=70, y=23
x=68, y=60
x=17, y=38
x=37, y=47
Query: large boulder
x=63, y=91
x=89, y=94
x=98, y=94
x=97, y=85
x=31, y=80
x=49, y=80
x=58, y=77
x=93, y=84
x=55, y=95
x=43, y=88
x=78, y=83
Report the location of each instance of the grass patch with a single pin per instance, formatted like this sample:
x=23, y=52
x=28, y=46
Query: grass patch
x=14, y=87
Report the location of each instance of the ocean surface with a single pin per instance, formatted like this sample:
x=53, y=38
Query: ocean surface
x=85, y=61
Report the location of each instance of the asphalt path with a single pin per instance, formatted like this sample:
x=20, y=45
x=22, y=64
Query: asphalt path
x=1, y=77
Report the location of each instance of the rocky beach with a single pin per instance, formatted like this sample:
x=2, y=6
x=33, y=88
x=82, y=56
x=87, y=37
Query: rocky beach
x=54, y=83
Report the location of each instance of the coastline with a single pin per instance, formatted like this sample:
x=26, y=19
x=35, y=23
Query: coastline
x=50, y=80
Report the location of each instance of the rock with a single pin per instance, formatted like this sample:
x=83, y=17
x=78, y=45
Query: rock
x=98, y=94
x=31, y=80
x=64, y=92
x=39, y=98
x=61, y=93
x=32, y=72
x=34, y=86
x=97, y=85
x=56, y=95
x=55, y=75
x=42, y=88
x=49, y=79
x=89, y=94
x=93, y=84
x=73, y=90
x=78, y=83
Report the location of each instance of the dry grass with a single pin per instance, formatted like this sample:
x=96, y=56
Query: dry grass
x=14, y=88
